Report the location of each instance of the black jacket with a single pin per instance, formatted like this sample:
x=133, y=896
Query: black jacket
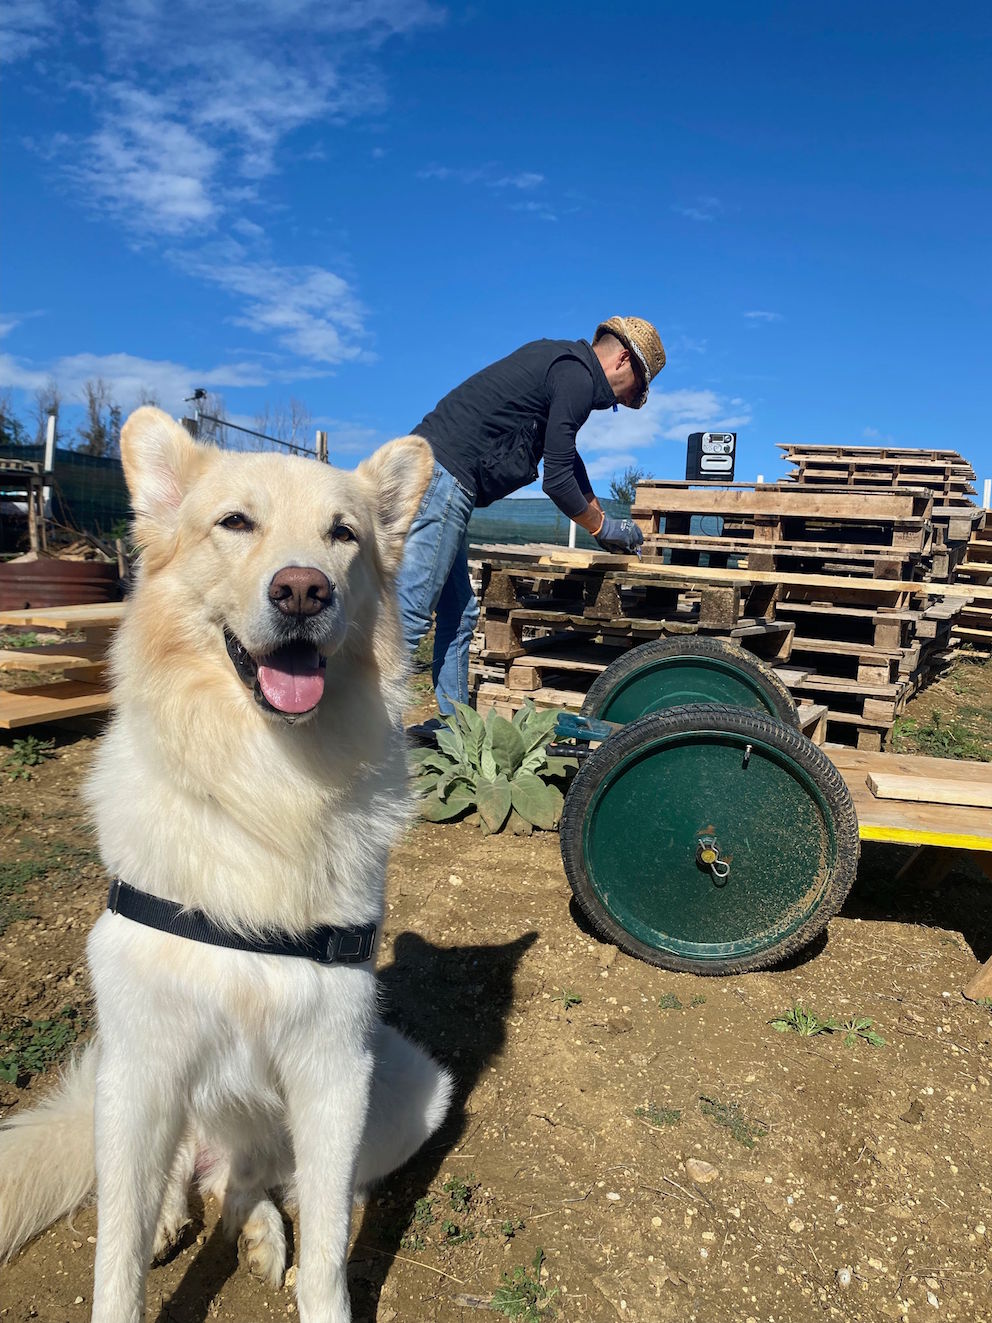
x=491, y=430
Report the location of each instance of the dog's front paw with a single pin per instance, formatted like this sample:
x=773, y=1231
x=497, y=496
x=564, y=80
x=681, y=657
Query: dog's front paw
x=262, y=1244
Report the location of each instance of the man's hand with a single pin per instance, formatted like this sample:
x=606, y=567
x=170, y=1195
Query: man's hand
x=621, y=536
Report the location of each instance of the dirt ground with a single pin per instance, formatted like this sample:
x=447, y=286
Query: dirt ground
x=849, y=1182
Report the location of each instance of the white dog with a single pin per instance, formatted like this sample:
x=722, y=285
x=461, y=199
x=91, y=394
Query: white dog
x=254, y=776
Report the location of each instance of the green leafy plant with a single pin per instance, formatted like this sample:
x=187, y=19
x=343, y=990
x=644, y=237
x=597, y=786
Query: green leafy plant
x=453, y=1234
x=497, y=768
x=521, y=1294
x=29, y=640
x=423, y=1217
x=805, y=1023
x=25, y=754
x=668, y=1001
x=937, y=738
x=659, y=1116
x=510, y=1227
x=568, y=998
x=859, y=1027
x=34, y=1044
x=459, y=1193
x=731, y=1117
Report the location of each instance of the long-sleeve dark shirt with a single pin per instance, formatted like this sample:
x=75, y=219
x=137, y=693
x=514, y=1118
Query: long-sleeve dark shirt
x=528, y=405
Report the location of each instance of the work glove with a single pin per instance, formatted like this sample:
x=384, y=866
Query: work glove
x=621, y=536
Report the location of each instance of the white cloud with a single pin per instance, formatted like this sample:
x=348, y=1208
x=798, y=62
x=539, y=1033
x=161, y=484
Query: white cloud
x=667, y=416
x=759, y=315
x=128, y=377
x=308, y=310
x=25, y=27
x=193, y=101
x=703, y=209
x=875, y=437
x=7, y=324
x=490, y=176
x=606, y=465
x=149, y=170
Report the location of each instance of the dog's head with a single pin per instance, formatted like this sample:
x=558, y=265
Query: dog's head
x=267, y=565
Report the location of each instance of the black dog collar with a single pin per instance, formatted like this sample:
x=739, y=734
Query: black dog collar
x=326, y=945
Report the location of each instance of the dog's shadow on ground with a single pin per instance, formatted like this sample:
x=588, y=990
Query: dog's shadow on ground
x=454, y=1002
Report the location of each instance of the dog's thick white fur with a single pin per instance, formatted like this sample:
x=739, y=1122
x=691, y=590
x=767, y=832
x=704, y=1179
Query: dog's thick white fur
x=255, y=770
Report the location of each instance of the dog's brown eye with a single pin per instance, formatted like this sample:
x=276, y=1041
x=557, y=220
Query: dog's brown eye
x=237, y=522
x=342, y=533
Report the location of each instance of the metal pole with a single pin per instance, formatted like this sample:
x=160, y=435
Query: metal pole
x=987, y=494
x=49, y=458
x=573, y=528
x=322, y=446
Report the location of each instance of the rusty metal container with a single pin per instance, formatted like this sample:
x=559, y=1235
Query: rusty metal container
x=52, y=582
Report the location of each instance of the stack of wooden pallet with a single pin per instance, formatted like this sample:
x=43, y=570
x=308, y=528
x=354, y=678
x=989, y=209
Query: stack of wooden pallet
x=858, y=646
x=784, y=526
x=945, y=474
x=974, y=625
x=852, y=648
x=552, y=620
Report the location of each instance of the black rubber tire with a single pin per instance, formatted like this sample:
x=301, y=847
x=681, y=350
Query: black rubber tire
x=709, y=717
x=693, y=645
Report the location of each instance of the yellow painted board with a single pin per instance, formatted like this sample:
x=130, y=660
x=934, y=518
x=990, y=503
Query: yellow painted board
x=909, y=822
x=912, y=836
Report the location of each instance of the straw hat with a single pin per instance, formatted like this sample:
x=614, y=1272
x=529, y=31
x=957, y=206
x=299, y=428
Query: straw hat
x=642, y=341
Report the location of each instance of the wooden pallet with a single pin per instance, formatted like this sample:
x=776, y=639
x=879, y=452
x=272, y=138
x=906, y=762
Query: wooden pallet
x=51, y=702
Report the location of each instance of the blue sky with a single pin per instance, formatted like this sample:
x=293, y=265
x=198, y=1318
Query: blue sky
x=357, y=203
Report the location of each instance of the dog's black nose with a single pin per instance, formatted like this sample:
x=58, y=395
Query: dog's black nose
x=300, y=590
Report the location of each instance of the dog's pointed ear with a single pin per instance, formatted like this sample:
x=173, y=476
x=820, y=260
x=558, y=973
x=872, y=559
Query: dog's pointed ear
x=398, y=473
x=160, y=459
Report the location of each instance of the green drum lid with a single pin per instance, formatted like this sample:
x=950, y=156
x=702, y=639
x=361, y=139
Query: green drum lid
x=644, y=824
x=673, y=681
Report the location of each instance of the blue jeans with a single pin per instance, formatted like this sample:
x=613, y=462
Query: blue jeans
x=434, y=578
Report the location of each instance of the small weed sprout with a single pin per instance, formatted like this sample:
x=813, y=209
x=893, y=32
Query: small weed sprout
x=860, y=1027
x=568, y=998
x=522, y=1295
x=658, y=1116
x=731, y=1117
x=804, y=1023
x=25, y=754
x=807, y=1024
x=669, y=1002
x=35, y=1044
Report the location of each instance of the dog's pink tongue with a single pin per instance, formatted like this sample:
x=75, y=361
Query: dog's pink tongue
x=292, y=679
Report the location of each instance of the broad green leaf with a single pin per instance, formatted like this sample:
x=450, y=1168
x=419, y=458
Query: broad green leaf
x=522, y=713
x=507, y=746
x=473, y=731
x=534, y=761
x=538, y=729
x=519, y=826
x=535, y=801
x=452, y=743
x=436, y=810
x=434, y=761
x=459, y=777
x=488, y=764
x=493, y=799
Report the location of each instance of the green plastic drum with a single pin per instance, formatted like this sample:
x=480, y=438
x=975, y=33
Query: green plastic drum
x=710, y=839
x=673, y=672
